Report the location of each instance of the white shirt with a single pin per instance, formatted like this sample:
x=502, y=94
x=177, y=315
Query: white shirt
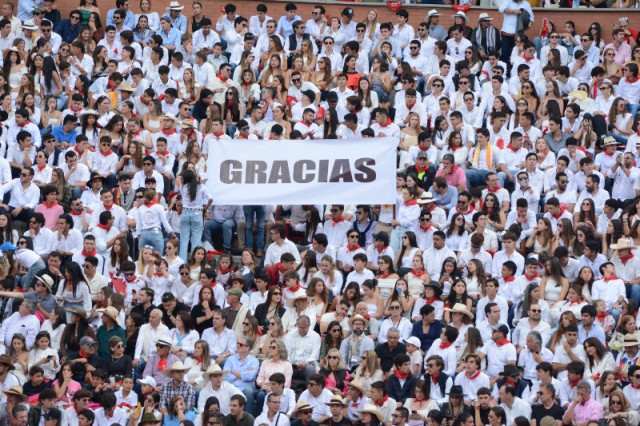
x=319, y=404
x=274, y=251
x=498, y=357
x=302, y=349
x=21, y=197
x=519, y=408
x=28, y=326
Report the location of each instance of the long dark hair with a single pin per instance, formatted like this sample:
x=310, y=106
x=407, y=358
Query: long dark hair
x=452, y=225
x=312, y=224
x=331, y=122
x=189, y=178
x=123, y=256
x=5, y=234
x=413, y=242
x=76, y=275
x=48, y=68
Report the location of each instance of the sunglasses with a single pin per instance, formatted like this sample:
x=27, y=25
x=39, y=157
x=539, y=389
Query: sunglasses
x=276, y=293
x=332, y=357
x=393, y=308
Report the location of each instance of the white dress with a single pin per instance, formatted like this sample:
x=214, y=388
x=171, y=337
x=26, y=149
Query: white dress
x=14, y=78
x=552, y=291
x=407, y=261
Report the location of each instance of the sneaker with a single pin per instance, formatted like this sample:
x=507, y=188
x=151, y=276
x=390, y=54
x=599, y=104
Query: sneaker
x=207, y=246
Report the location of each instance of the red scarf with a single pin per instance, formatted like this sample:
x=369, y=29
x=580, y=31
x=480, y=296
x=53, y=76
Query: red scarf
x=169, y=132
x=496, y=189
x=296, y=288
x=626, y=258
x=409, y=107
x=432, y=207
x=42, y=167
x=509, y=279
x=424, y=169
x=473, y=376
x=531, y=278
x=143, y=101
x=80, y=153
x=411, y=203
x=381, y=249
x=467, y=213
x=512, y=148
x=527, y=59
x=382, y=402
x=165, y=153
x=612, y=277
x=418, y=273
x=82, y=355
x=608, y=154
x=429, y=300
x=93, y=253
x=24, y=124
x=632, y=80
x=338, y=220
x=635, y=387
x=108, y=153
x=445, y=345
x=502, y=342
x=602, y=316
x=387, y=123
x=400, y=375
x=223, y=79
x=426, y=228
x=557, y=216
x=352, y=248
x=74, y=213
x=224, y=271
x=107, y=207
x=105, y=227
x=384, y=276
x=162, y=364
x=434, y=378
x=50, y=206
x=151, y=203
x=575, y=382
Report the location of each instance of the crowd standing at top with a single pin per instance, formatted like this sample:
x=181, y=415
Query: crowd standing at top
x=501, y=289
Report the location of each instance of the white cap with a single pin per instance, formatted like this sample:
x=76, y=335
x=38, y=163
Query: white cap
x=414, y=341
x=148, y=381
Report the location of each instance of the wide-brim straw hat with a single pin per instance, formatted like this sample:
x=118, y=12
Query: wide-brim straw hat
x=177, y=366
x=623, y=244
x=111, y=312
x=357, y=385
x=213, y=369
x=358, y=317
x=460, y=308
x=16, y=391
x=371, y=409
x=300, y=294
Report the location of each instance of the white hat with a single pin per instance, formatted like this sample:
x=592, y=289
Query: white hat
x=300, y=294
x=461, y=14
x=174, y=5
x=177, y=366
x=485, y=17
x=29, y=25
x=433, y=12
x=148, y=381
x=414, y=341
x=164, y=340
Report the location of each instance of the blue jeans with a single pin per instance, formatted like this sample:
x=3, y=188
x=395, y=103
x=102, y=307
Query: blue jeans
x=191, y=225
x=249, y=396
x=507, y=44
x=502, y=177
x=476, y=177
x=396, y=237
x=27, y=280
x=77, y=191
x=227, y=227
x=633, y=292
x=260, y=212
x=260, y=397
x=633, y=109
x=539, y=44
x=151, y=237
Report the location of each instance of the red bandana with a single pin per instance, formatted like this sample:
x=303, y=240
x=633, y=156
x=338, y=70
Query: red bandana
x=502, y=342
x=107, y=207
x=85, y=254
x=418, y=273
x=151, y=203
x=602, y=316
x=429, y=300
x=632, y=80
x=382, y=402
x=387, y=123
x=512, y=148
x=434, y=378
x=50, y=206
x=409, y=107
x=626, y=258
x=424, y=169
x=411, y=203
x=509, y=279
x=169, y=132
x=42, y=167
x=557, y=216
x=105, y=227
x=381, y=249
x=533, y=277
x=224, y=271
x=467, y=213
x=474, y=375
x=575, y=382
x=296, y=288
x=224, y=79
x=445, y=345
x=165, y=153
x=338, y=220
x=108, y=153
x=162, y=364
x=612, y=277
x=400, y=375
x=24, y=124
x=426, y=228
x=494, y=190
x=352, y=248
x=75, y=213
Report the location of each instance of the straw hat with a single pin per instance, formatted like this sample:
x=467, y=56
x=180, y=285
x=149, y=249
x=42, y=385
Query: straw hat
x=460, y=308
x=336, y=400
x=630, y=339
x=358, y=317
x=177, y=366
x=16, y=391
x=111, y=312
x=357, y=385
x=213, y=369
x=6, y=360
x=623, y=244
x=169, y=116
x=174, y=5
x=426, y=198
x=371, y=409
x=46, y=280
x=79, y=312
x=302, y=406
x=300, y=294
x=187, y=123
x=126, y=87
x=609, y=140
x=461, y=14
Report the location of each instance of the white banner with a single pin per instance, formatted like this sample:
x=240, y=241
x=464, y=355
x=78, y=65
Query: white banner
x=340, y=171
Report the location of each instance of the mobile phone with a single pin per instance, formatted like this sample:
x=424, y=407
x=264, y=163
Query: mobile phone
x=49, y=356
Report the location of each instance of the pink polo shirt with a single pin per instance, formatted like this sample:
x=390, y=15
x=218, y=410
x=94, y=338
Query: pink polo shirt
x=455, y=178
x=590, y=410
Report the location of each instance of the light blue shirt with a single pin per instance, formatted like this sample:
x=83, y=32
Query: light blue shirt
x=286, y=26
x=248, y=369
x=25, y=9
x=596, y=331
x=180, y=23
x=129, y=19
x=171, y=39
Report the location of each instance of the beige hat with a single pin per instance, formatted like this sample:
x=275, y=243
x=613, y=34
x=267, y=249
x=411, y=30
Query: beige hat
x=170, y=116
x=548, y=421
x=300, y=294
x=358, y=317
x=302, y=406
x=177, y=366
x=174, y=5
x=623, y=244
x=213, y=369
x=29, y=25
x=187, y=123
x=46, y=280
x=371, y=409
x=485, y=17
x=460, y=308
x=126, y=87
x=90, y=112
x=111, y=312
x=609, y=140
x=16, y=391
x=357, y=385
x=630, y=339
x=425, y=198
x=164, y=340
x=336, y=400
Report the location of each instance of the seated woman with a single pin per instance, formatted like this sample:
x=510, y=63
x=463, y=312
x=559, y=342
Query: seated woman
x=117, y=364
x=64, y=386
x=336, y=376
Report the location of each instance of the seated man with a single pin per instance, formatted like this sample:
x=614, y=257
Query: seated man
x=24, y=196
x=224, y=220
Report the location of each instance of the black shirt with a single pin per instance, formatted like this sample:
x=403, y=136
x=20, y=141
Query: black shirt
x=538, y=412
x=165, y=317
x=142, y=311
x=386, y=355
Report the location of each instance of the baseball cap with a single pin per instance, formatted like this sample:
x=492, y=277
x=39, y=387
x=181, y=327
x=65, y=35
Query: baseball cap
x=86, y=340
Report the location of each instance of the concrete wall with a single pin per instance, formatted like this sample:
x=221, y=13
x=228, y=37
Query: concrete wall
x=582, y=17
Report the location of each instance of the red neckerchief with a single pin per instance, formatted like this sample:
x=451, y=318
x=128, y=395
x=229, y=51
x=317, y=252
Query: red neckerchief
x=557, y=216
x=130, y=280
x=612, y=277
x=80, y=153
x=109, y=82
x=82, y=355
x=400, y=375
x=634, y=386
x=453, y=169
x=165, y=153
x=632, y=80
x=381, y=249
x=608, y=154
x=50, y=206
x=24, y=124
x=418, y=273
x=409, y=107
x=602, y=316
x=305, y=123
x=431, y=208
x=223, y=79
x=496, y=189
x=162, y=364
x=423, y=150
x=296, y=288
x=224, y=271
x=509, y=382
x=472, y=377
x=108, y=153
x=445, y=345
x=351, y=248
x=429, y=300
x=509, y=279
x=426, y=167
x=158, y=274
x=387, y=123
x=531, y=278
x=384, y=276
x=426, y=228
x=575, y=382
x=577, y=302
x=42, y=167
x=434, y=378
x=74, y=213
x=527, y=59
x=169, y=132
x=105, y=227
x=502, y=342
x=75, y=110
x=512, y=148
x=151, y=203
x=93, y=253
x=338, y=220
x=355, y=404
x=467, y=213
x=107, y=207
x=411, y=203
x=381, y=403
x=455, y=148
x=143, y=101
x=280, y=267
x=626, y=258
